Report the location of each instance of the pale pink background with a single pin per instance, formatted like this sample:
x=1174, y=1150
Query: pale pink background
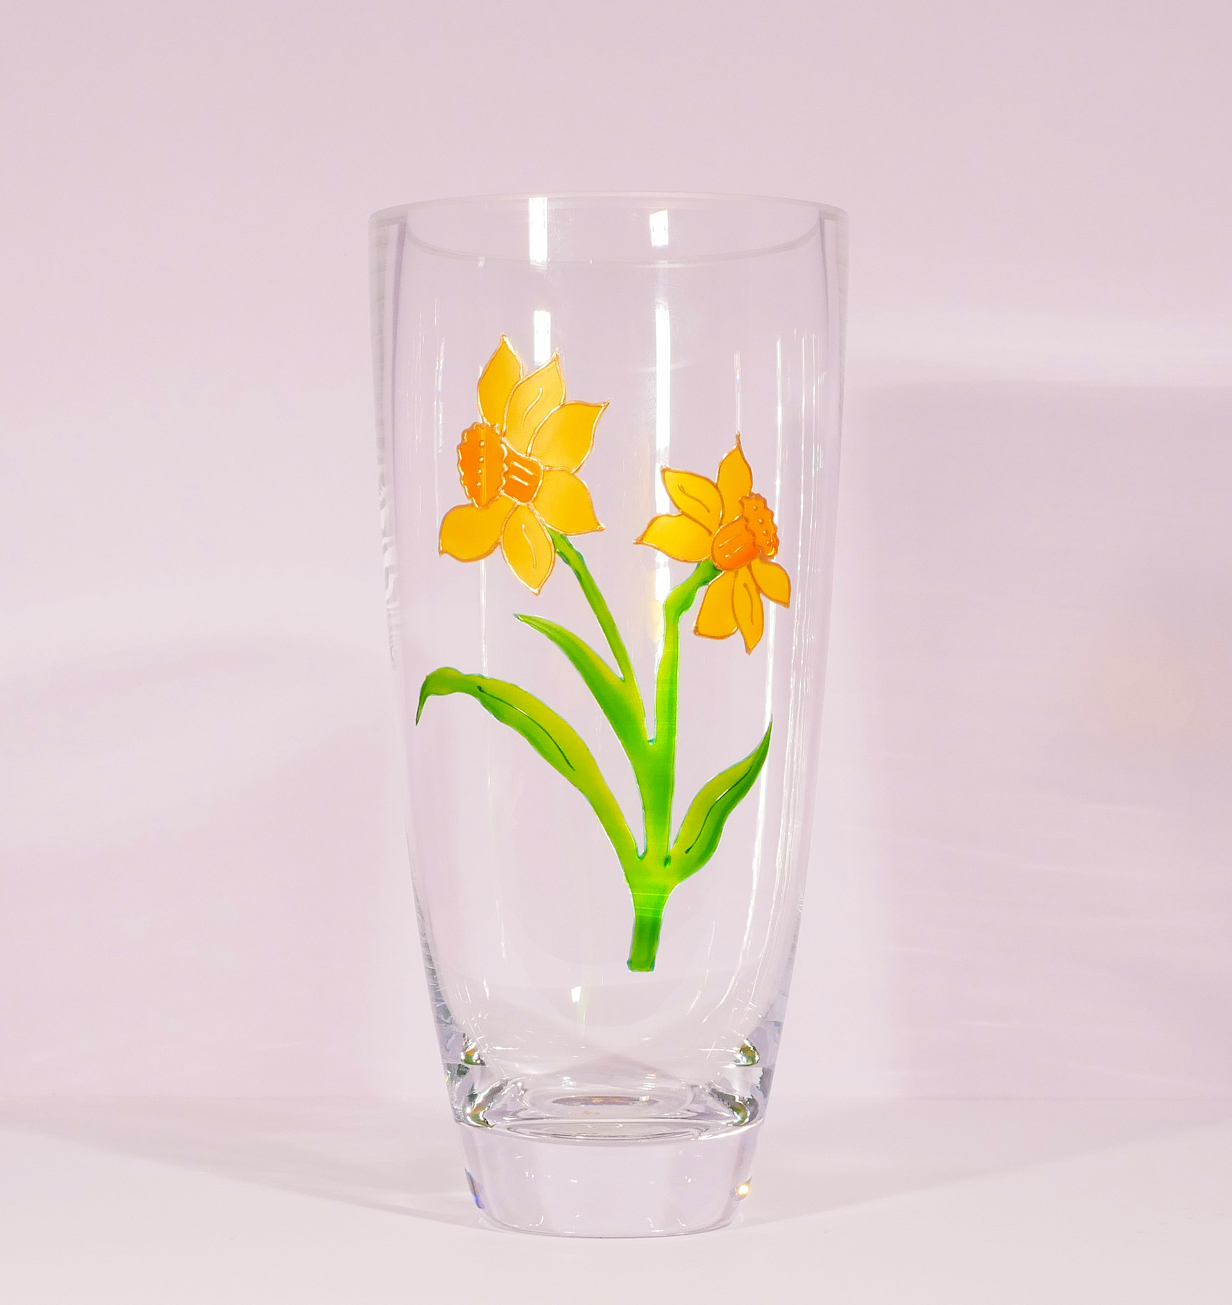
x=1022, y=881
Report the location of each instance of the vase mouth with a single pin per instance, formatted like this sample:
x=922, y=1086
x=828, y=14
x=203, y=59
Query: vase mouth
x=634, y=228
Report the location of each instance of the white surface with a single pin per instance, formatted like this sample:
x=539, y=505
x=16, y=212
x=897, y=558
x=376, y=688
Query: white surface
x=334, y=1203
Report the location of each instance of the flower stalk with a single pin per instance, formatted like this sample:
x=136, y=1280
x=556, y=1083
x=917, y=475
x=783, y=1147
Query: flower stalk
x=651, y=876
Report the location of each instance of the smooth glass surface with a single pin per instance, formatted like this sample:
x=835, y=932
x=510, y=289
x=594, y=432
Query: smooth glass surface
x=609, y=840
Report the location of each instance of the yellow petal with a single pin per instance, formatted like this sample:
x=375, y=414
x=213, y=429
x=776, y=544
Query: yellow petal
x=502, y=373
x=564, y=503
x=772, y=580
x=717, y=618
x=469, y=532
x=735, y=481
x=527, y=548
x=565, y=436
x=746, y=602
x=696, y=496
x=532, y=399
x=679, y=537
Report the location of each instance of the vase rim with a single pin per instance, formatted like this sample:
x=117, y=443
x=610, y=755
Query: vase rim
x=773, y=209
x=678, y=196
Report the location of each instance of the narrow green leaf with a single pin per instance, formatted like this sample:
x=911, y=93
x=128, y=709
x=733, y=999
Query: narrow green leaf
x=702, y=827
x=618, y=701
x=576, y=563
x=553, y=738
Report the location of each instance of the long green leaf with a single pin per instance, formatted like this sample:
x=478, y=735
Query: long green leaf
x=618, y=701
x=576, y=563
x=553, y=738
x=702, y=827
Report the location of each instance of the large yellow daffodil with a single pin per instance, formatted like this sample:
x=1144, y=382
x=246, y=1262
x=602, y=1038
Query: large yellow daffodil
x=726, y=522
x=517, y=468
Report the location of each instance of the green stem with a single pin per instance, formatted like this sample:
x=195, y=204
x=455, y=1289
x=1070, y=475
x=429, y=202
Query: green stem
x=650, y=874
x=663, y=745
x=656, y=877
x=647, y=921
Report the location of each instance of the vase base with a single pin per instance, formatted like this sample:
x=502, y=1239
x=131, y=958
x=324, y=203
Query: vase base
x=601, y=1187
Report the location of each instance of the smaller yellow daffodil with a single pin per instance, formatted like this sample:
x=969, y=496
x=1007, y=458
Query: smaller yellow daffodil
x=517, y=468
x=726, y=522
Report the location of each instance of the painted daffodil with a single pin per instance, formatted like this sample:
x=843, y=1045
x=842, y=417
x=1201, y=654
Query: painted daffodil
x=517, y=466
x=723, y=520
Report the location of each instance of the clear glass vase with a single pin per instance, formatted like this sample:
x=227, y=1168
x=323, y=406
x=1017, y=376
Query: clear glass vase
x=609, y=433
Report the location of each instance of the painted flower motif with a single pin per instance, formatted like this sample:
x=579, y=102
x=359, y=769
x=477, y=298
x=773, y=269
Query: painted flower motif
x=517, y=468
x=733, y=527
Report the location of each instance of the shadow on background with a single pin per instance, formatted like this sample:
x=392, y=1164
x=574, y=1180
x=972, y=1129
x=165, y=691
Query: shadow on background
x=386, y=1155
x=825, y=1155
x=402, y=1156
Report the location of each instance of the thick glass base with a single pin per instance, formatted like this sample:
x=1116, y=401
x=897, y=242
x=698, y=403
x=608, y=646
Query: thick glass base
x=608, y=1188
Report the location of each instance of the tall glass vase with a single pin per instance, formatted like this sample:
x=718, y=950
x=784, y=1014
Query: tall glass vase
x=609, y=433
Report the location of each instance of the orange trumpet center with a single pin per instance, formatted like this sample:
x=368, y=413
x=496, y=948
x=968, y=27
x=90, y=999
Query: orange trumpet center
x=753, y=532
x=523, y=476
x=734, y=546
x=481, y=464
x=760, y=519
x=487, y=466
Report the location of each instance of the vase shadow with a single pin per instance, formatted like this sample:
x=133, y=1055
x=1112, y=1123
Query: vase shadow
x=399, y=1156
x=828, y=1154
x=403, y=1157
